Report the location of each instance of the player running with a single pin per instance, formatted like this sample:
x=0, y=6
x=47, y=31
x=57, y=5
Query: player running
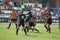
x=21, y=18
x=49, y=22
x=32, y=23
x=29, y=16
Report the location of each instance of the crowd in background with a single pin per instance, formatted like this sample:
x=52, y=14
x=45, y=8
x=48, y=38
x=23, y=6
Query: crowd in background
x=39, y=11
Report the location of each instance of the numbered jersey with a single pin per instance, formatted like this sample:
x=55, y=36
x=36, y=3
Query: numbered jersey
x=22, y=17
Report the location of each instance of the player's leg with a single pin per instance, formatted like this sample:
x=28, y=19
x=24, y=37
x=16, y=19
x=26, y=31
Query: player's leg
x=28, y=27
x=22, y=23
x=35, y=29
x=49, y=29
x=59, y=22
x=46, y=26
x=16, y=23
x=25, y=28
x=49, y=23
x=17, y=29
x=9, y=24
x=34, y=25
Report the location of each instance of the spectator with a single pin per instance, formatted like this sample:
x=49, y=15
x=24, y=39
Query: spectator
x=16, y=4
x=22, y=6
x=7, y=6
x=1, y=3
x=7, y=1
x=35, y=5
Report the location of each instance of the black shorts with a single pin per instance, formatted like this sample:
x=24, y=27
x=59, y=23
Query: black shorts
x=49, y=21
x=31, y=24
x=21, y=23
x=14, y=20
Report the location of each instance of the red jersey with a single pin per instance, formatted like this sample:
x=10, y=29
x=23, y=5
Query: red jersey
x=46, y=12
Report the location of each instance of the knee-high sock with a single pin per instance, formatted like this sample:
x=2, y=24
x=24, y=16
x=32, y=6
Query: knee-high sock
x=46, y=27
x=17, y=31
x=36, y=30
x=31, y=28
x=49, y=29
x=25, y=30
x=9, y=25
x=16, y=25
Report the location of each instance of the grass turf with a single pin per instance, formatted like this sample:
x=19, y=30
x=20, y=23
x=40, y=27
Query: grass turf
x=10, y=34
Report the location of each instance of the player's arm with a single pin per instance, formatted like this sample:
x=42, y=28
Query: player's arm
x=24, y=16
x=10, y=15
x=50, y=15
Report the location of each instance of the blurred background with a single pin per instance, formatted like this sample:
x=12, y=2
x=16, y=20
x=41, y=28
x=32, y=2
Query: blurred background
x=36, y=6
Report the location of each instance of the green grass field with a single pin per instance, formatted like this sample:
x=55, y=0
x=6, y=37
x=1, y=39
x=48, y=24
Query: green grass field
x=10, y=34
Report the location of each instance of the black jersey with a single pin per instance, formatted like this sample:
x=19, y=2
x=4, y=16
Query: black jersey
x=49, y=15
x=22, y=17
x=49, y=21
x=29, y=16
